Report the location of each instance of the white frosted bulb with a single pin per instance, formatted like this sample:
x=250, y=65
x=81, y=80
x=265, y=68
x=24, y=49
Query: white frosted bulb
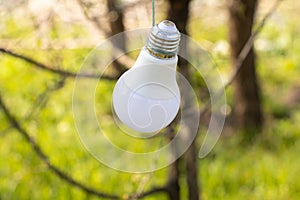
x=146, y=98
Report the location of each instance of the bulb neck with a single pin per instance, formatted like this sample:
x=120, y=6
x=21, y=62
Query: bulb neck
x=163, y=41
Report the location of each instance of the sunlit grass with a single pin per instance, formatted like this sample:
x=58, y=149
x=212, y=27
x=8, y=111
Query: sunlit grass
x=265, y=169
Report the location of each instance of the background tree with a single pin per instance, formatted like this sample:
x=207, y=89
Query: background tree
x=179, y=14
x=116, y=21
x=247, y=102
x=48, y=120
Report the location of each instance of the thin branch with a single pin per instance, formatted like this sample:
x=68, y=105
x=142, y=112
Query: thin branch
x=249, y=44
x=40, y=153
x=15, y=124
x=139, y=193
x=243, y=55
x=61, y=72
x=125, y=60
x=93, y=19
x=40, y=102
x=43, y=98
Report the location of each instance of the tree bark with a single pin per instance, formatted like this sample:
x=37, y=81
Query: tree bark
x=247, y=108
x=192, y=172
x=179, y=14
x=116, y=22
x=173, y=187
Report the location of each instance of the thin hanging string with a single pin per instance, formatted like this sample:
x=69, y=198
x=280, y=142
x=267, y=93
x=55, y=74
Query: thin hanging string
x=153, y=13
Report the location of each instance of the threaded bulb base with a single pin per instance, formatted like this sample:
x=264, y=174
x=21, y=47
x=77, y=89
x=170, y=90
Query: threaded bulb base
x=163, y=41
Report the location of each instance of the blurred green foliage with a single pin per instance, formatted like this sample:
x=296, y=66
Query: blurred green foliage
x=266, y=169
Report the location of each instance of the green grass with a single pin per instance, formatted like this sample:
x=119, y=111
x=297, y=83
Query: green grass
x=266, y=169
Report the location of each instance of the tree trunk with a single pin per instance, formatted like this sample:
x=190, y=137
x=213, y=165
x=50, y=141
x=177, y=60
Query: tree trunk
x=192, y=172
x=247, y=108
x=173, y=179
x=179, y=14
x=116, y=18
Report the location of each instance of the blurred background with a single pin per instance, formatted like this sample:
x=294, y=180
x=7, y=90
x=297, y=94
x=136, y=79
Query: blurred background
x=42, y=46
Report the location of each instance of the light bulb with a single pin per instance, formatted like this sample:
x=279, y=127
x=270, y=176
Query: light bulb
x=146, y=98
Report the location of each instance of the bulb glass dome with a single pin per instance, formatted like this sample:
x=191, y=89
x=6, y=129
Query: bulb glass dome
x=146, y=98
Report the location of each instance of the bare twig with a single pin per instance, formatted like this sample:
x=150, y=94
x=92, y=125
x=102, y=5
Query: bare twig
x=15, y=124
x=95, y=20
x=125, y=60
x=243, y=55
x=61, y=72
x=43, y=98
x=249, y=44
x=40, y=153
x=41, y=101
x=148, y=176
